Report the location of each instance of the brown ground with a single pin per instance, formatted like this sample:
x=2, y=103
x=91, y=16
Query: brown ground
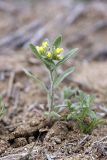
x=23, y=126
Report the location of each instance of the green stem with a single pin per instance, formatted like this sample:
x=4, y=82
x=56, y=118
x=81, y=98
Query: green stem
x=51, y=91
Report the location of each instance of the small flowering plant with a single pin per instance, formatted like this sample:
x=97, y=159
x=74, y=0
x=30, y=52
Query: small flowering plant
x=51, y=56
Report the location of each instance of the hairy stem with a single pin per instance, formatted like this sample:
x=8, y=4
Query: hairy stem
x=51, y=93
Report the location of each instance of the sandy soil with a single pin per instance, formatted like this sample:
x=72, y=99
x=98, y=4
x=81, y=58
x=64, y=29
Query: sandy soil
x=23, y=125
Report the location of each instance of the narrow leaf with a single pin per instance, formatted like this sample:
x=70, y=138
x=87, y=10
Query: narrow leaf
x=35, y=51
x=53, y=115
x=49, y=64
x=61, y=77
x=57, y=42
x=93, y=115
x=2, y=107
x=34, y=77
x=69, y=55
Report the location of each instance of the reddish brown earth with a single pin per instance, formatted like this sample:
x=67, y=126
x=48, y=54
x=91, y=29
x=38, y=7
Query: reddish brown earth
x=24, y=131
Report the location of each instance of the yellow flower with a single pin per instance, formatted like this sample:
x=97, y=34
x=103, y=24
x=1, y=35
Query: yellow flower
x=58, y=50
x=49, y=55
x=46, y=53
x=40, y=49
x=45, y=44
x=37, y=47
x=58, y=57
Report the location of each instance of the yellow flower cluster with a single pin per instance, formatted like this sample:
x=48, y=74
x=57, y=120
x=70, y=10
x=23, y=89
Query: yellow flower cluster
x=46, y=52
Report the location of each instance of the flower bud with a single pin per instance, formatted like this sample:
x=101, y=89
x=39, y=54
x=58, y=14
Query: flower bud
x=59, y=50
x=40, y=49
x=45, y=44
x=49, y=55
x=58, y=57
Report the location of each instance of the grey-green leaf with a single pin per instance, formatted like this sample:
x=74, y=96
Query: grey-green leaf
x=2, y=107
x=61, y=77
x=53, y=115
x=69, y=55
x=57, y=42
x=93, y=115
x=49, y=64
x=35, y=51
x=36, y=78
